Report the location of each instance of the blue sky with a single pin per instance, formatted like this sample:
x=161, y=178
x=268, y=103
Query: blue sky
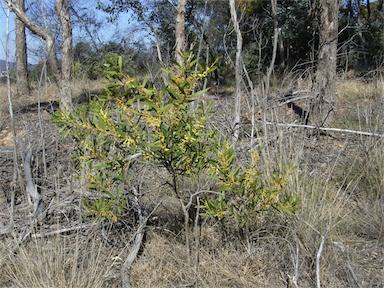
x=3, y=24
x=119, y=29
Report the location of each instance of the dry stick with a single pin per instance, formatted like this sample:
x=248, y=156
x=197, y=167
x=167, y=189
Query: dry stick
x=327, y=129
x=321, y=247
x=197, y=232
x=10, y=109
x=42, y=136
x=318, y=256
x=349, y=266
x=295, y=278
x=187, y=230
x=139, y=235
x=64, y=230
x=30, y=186
x=254, y=100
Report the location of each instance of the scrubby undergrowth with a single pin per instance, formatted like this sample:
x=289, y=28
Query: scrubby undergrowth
x=338, y=179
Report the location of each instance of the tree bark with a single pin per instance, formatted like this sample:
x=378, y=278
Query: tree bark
x=23, y=88
x=62, y=10
x=324, y=86
x=180, y=30
x=42, y=33
x=239, y=45
x=60, y=77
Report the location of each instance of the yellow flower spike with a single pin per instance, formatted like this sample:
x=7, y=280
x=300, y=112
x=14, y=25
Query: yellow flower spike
x=129, y=81
x=103, y=114
x=128, y=141
x=151, y=120
x=255, y=156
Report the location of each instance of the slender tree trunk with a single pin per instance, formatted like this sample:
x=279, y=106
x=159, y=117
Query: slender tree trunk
x=324, y=86
x=238, y=73
x=23, y=88
x=180, y=30
x=60, y=77
x=62, y=10
x=275, y=42
x=40, y=32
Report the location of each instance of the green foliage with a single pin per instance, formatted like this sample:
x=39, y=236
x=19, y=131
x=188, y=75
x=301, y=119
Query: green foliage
x=135, y=118
x=244, y=192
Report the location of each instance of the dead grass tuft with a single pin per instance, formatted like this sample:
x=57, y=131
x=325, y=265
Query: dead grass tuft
x=58, y=262
x=355, y=89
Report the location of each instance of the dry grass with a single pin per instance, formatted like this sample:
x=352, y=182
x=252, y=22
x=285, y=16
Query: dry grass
x=45, y=93
x=339, y=181
x=58, y=262
x=359, y=90
x=164, y=265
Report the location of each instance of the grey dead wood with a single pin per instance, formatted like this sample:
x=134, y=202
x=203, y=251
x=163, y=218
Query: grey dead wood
x=137, y=242
x=364, y=133
x=30, y=186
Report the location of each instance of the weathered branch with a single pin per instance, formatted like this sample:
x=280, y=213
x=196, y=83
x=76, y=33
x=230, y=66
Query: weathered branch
x=364, y=133
x=139, y=235
x=30, y=186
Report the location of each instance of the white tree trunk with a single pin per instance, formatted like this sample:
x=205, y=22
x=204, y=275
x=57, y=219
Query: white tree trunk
x=180, y=30
x=238, y=73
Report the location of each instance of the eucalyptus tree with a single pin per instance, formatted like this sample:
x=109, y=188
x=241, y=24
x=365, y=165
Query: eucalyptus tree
x=62, y=75
x=141, y=12
x=23, y=88
x=324, y=85
x=238, y=70
x=172, y=22
x=180, y=30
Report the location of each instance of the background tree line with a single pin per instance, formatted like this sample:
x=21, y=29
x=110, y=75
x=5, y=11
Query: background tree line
x=278, y=36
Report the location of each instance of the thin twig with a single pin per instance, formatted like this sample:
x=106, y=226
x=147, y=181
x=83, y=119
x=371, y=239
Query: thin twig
x=318, y=256
x=64, y=230
x=10, y=110
x=364, y=133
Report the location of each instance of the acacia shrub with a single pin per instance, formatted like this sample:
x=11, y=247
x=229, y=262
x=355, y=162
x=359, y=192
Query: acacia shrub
x=135, y=120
